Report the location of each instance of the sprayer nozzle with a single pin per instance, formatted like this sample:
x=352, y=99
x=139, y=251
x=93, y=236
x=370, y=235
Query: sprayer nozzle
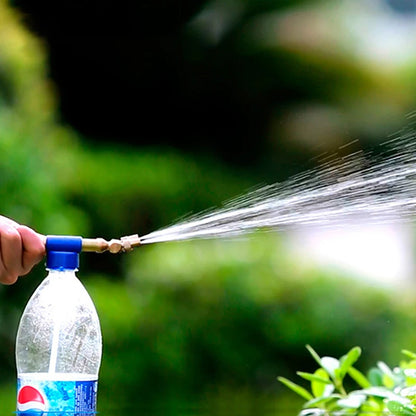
x=130, y=241
x=99, y=245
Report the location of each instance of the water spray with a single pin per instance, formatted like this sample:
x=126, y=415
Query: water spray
x=345, y=190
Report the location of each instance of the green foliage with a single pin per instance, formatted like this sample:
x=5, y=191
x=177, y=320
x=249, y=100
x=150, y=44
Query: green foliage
x=395, y=394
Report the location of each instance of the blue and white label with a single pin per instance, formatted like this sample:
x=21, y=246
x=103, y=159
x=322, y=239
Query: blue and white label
x=37, y=397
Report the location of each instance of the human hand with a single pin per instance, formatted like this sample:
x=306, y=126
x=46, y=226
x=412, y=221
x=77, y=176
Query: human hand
x=21, y=248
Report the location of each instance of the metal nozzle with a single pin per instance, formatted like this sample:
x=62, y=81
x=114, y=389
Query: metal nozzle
x=99, y=245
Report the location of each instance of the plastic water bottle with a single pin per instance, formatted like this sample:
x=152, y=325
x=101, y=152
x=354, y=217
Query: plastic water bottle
x=58, y=346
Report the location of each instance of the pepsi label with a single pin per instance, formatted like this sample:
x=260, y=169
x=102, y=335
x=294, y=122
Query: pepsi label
x=56, y=397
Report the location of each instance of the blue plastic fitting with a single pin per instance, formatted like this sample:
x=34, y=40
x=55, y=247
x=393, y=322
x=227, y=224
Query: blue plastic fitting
x=62, y=252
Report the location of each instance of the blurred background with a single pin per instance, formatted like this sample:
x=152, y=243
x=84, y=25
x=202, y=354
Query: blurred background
x=121, y=117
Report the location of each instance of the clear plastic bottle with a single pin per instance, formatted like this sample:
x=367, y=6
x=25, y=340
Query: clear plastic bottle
x=58, y=345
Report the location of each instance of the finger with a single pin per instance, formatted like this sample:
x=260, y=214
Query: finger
x=5, y=277
x=8, y=221
x=33, y=248
x=11, y=251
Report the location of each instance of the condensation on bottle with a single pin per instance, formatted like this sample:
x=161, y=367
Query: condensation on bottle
x=58, y=344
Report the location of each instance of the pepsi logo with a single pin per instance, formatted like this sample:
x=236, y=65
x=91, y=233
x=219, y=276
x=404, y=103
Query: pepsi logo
x=30, y=401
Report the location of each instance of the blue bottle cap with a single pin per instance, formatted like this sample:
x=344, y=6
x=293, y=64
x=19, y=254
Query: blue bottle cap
x=62, y=252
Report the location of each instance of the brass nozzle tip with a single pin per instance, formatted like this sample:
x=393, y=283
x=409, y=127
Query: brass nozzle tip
x=99, y=245
x=130, y=241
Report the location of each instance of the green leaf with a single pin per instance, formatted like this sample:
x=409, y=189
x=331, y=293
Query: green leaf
x=359, y=377
x=330, y=365
x=388, y=381
x=385, y=369
x=399, y=409
x=375, y=376
x=296, y=388
x=314, y=354
x=371, y=407
x=352, y=401
x=316, y=376
x=347, y=361
x=320, y=388
x=410, y=354
x=320, y=401
x=410, y=372
x=385, y=394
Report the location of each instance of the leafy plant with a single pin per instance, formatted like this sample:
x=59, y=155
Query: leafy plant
x=383, y=390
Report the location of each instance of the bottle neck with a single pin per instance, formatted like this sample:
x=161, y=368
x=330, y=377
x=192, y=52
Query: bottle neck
x=63, y=274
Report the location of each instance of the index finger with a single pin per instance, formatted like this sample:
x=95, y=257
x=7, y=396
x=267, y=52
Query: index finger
x=33, y=245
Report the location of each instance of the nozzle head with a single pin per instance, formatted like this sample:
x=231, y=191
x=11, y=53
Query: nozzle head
x=130, y=241
x=99, y=245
